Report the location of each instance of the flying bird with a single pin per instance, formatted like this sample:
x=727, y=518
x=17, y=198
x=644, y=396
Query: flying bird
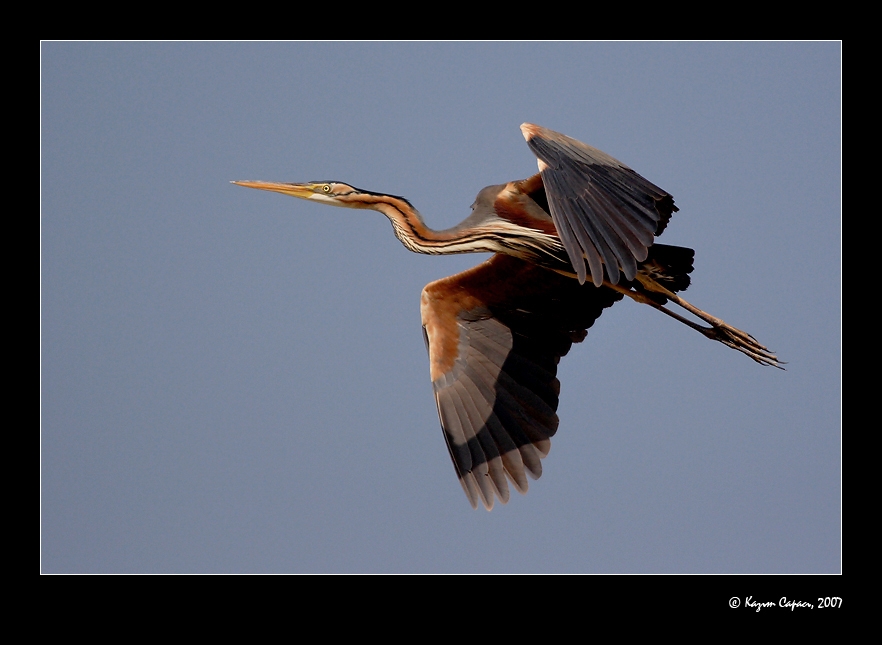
x=568, y=242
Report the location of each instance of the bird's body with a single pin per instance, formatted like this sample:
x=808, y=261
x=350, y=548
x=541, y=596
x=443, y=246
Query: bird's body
x=496, y=332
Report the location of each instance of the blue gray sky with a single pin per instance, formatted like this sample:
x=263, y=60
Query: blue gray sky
x=236, y=381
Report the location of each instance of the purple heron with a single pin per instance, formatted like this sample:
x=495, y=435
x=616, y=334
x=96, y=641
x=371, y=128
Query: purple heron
x=568, y=242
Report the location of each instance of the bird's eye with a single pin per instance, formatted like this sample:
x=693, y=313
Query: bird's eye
x=326, y=188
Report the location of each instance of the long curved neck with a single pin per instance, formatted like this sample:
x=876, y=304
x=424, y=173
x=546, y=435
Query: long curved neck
x=481, y=232
x=409, y=227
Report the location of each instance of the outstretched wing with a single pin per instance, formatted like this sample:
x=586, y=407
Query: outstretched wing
x=495, y=334
x=604, y=212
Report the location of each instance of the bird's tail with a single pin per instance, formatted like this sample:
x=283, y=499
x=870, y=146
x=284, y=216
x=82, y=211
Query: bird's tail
x=670, y=267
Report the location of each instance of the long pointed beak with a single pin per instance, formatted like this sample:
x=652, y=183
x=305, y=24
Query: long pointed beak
x=303, y=191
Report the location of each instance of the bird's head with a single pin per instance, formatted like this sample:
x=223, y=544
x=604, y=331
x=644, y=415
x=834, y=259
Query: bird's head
x=334, y=193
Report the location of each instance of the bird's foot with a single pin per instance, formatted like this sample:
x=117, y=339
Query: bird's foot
x=741, y=341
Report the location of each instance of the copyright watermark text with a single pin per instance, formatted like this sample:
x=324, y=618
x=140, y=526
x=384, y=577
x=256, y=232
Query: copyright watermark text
x=826, y=602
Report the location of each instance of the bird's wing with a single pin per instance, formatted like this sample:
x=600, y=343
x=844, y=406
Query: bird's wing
x=495, y=334
x=603, y=210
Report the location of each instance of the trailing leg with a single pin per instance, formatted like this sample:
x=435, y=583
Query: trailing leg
x=718, y=330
